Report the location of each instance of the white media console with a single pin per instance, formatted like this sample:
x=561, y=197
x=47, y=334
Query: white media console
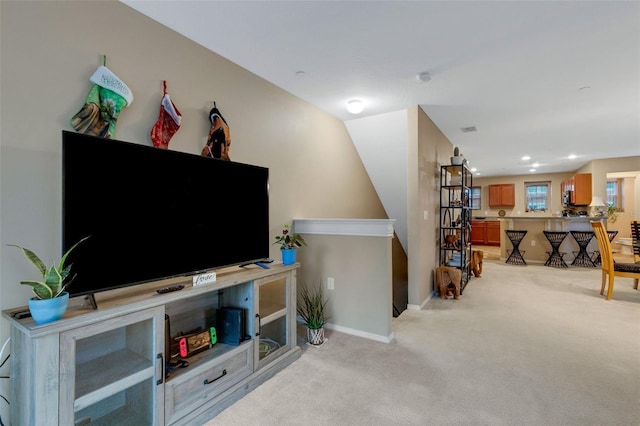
x=107, y=366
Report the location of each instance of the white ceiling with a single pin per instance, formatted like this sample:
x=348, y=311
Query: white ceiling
x=541, y=78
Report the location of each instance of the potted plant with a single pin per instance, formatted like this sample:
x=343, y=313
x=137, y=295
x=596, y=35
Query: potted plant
x=457, y=159
x=51, y=299
x=312, y=309
x=612, y=213
x=289, y=243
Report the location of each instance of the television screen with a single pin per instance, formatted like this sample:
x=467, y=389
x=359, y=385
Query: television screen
x=152, y=213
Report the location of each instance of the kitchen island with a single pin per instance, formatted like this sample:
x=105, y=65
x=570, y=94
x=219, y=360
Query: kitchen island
x=535, y=245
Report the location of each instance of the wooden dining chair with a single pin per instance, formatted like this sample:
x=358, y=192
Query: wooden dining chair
x=610, y=268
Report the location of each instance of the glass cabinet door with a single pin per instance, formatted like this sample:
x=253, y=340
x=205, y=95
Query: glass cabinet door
x=274, y=318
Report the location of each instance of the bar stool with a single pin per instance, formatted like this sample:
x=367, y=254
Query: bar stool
x=595, y=256
x=582, y=258
x=555, y=259
x=515, y=257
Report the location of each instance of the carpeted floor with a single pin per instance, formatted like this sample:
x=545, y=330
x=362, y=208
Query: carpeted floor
x=524, y=345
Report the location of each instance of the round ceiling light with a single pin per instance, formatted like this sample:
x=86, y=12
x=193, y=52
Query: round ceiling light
x=355, y=106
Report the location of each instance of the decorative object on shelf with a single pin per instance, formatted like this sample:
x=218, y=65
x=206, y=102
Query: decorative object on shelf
x=448, y=281
x=169, y=120
x=595, y=207
x=502, y=213
x=289, y=243
x=451, y=241
x=312, y=309
x=45, y=306
x=457, y=159
x=107, y=97
x=219, y=139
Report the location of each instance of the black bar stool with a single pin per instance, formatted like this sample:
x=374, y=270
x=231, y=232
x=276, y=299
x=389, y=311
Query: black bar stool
x=583, y=238
x=595, y=256
x=555, y=259
x=515, y=257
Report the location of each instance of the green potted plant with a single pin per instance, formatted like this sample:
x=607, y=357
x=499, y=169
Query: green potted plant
x=312, y=309
x=51, y=299
x=612, y=213
x=289, y=243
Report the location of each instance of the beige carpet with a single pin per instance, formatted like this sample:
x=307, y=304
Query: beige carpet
x=524, y=345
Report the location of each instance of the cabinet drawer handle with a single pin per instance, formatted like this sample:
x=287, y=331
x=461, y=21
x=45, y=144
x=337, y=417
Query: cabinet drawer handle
x=208, y=382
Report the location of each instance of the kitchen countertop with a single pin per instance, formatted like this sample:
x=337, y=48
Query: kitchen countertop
x=539, y=218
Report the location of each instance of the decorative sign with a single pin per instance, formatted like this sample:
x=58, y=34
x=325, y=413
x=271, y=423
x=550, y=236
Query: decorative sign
x=204, y=279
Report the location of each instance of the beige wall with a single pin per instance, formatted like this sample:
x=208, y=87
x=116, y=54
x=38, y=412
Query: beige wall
x=428, y=150
x=519, y=181
x=50, y=49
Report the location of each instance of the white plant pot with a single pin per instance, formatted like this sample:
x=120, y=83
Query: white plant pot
x=457, y=161
x=315, y=337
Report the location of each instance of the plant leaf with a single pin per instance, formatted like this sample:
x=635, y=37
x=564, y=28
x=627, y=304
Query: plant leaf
x=39, y=288
x=64, y=257
x=34, y=259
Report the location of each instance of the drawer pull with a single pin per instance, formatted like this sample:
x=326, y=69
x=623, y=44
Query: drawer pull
x=208, y=382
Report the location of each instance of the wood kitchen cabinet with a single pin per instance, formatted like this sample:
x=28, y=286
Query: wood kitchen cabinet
x=485, y=233
x=502, y=195
x=579, y=188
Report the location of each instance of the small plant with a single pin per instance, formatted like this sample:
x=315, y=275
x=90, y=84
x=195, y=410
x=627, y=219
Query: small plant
x=289, y=240
x=54, y=277
x=312, y=307
x=612, y=213
x=456, y=152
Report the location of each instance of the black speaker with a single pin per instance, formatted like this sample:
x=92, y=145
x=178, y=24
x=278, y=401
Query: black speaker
x=230, y=325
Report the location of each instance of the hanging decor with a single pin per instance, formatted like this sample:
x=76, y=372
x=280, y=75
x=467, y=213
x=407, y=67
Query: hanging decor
x=169, y=120
x=107, y=97
x=219, y=139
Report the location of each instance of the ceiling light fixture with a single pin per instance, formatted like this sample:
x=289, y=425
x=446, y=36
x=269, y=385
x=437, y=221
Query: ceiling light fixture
x=355, y=106
x=526, y=158
x=535, y=165
x=532, y=170
x=469, y=129
x=572, y=157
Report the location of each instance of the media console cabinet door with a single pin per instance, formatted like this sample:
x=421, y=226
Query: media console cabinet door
x=111, y=371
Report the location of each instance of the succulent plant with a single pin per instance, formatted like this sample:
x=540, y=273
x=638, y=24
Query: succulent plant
x=53, y=277
x=456, y=152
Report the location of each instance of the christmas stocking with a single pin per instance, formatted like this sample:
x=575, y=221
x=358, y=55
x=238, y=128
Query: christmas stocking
x=99, y=115
x=219, y=139
x=168, y=122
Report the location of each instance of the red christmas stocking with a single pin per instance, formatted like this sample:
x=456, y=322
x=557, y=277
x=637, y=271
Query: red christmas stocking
x=168, y=122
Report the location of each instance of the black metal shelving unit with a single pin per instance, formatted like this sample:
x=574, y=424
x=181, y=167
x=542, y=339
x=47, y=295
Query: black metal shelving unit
x=455, y=219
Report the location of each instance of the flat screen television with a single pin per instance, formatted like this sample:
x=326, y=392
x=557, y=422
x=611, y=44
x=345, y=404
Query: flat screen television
x=152, y=213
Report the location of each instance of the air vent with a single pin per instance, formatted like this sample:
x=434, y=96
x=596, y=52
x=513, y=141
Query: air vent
x=469, y=129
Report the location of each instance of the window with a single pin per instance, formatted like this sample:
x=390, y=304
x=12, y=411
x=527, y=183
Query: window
x=537, y=195
x=475, y=197
x=615, y=189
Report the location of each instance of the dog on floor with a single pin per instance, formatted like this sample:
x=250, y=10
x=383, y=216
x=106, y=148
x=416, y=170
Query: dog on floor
x=476, y=262
x=448, y=281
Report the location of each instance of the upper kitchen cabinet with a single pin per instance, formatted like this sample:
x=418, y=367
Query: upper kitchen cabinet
x=502, y=195
x=577, y=189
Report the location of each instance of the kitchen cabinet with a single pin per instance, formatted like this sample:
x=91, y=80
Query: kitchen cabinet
x=579, y=188
x=502, y=195
x=485, y=233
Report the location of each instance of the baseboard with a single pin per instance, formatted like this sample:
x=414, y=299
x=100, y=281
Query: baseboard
x=360, y=333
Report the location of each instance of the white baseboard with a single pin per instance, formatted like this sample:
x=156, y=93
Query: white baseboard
x=354, y=332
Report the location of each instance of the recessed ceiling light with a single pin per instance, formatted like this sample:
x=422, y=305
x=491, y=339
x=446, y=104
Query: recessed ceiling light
x=355, y=106
x=572, y=157
x=535, y=165
x=473, y=169
x=478, y=174
x=469, y=129
x=300, y=73
x=526, y=158
x=532, y=170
